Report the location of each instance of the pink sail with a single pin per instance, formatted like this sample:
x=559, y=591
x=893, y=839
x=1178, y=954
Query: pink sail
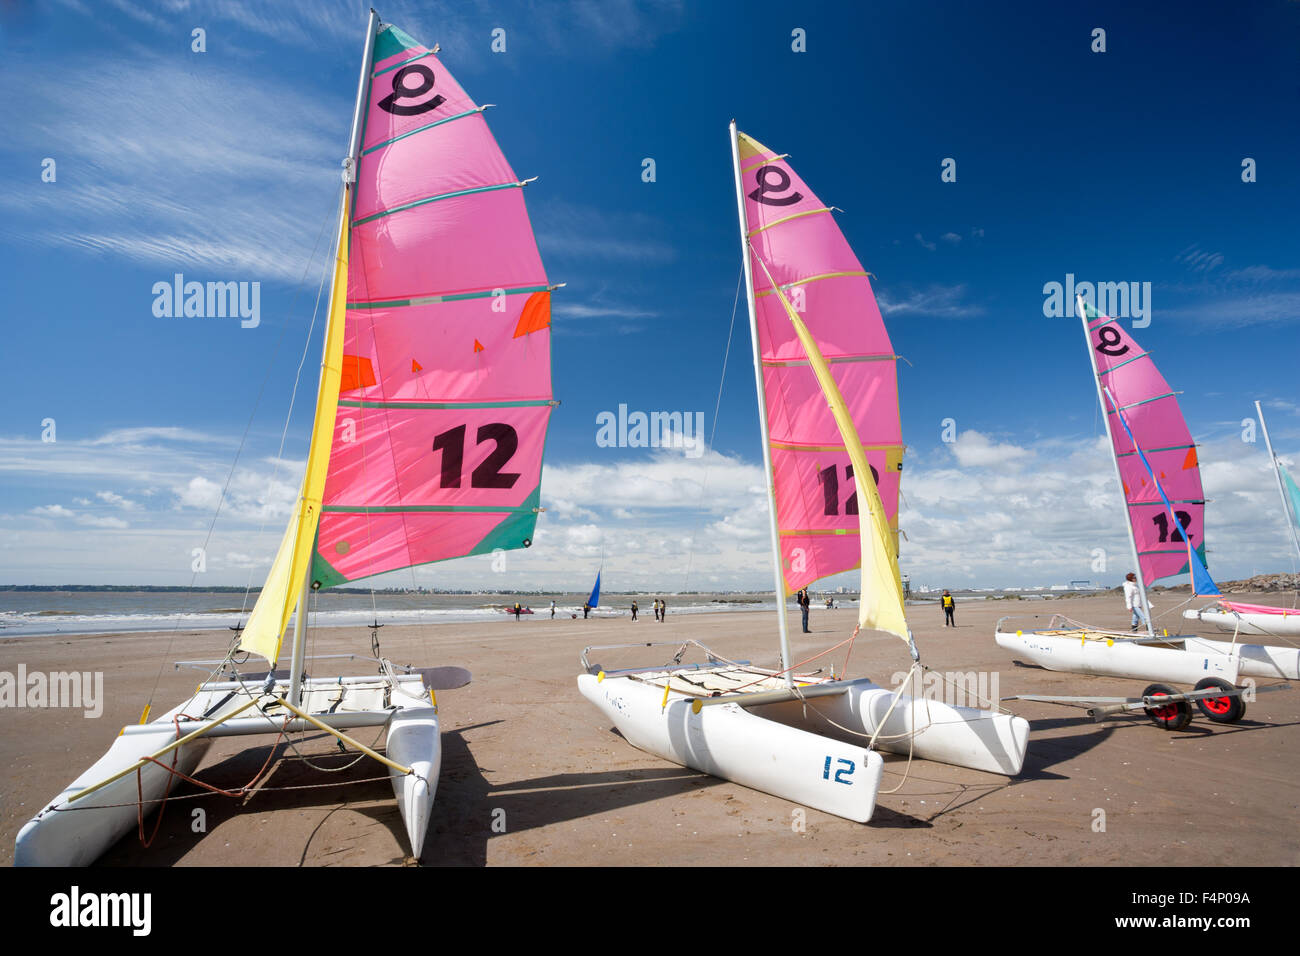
x=1150, y=411
x=446, y=379
x=799, y=245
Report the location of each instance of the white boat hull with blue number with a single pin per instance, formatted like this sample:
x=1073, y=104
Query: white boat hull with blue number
x=810, y=748
x=729, y=742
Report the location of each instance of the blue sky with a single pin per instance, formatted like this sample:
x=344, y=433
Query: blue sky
x=1117, y=166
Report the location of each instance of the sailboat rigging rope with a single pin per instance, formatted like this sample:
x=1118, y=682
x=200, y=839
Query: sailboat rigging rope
x=270, y=365
x=717, y=405
x=174, y=798
x=806, y=660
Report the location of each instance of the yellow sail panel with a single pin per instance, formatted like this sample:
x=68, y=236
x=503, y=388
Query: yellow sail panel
x=881, y=606
x=275, y=604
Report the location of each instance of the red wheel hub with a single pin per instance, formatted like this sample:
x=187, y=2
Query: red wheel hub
x=1167, y=712
x=1219, y=705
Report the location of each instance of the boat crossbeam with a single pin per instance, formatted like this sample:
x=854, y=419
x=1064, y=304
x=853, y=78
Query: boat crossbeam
x=255, y=725
x=830, y=689
x=268, y=724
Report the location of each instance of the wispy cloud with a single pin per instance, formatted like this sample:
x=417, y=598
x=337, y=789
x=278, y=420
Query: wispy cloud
x=233, y=180
x=938, y=301
x=584, y=234
x=1198, y=260
x=605, y=27
x=1251, y=295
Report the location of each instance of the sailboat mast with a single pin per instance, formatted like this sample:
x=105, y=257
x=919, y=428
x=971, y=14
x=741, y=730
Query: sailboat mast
x=769, y=478
x=349, y=178
x=1277, y=474
x=1119, y=479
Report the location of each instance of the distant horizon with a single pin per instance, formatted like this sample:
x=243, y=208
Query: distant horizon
x=923, y=589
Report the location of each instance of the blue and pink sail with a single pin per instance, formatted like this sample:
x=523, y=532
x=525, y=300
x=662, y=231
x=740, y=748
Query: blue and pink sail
x=1157, y=460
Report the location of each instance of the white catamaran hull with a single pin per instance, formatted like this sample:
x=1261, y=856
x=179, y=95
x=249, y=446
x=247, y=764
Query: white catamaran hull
x=64, y=835
x=1261, y=625
x=77, y=833
x=785, y=748
x=414, y=741
x=729, y=742
x=1182, y=659
x=1117, y=657
x=961, y=736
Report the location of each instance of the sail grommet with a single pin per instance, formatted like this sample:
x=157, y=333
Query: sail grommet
x=315, y=585
x=527, y=542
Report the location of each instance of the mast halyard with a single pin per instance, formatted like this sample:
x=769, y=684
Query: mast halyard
x=349, y=180
x=768, y=476
x=1119, y=479
x=1277, y=474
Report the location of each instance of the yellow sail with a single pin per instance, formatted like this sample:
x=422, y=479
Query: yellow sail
x=881, y=606
x=266, y=625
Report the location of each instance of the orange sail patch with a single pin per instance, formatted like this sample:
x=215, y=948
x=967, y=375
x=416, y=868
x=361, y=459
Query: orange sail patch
x=1190, y=460
x=357, y=372
x=416, y=366
x=536, y=314
x=478, y=346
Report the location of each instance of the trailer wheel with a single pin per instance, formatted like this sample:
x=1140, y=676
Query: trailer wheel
x=1174, y=715
x=1222, y=710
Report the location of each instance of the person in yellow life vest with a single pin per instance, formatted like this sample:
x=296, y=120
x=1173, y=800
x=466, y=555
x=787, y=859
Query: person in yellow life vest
x=949, y=605
x=518, y=610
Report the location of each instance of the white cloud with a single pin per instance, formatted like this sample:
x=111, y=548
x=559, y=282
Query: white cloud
x=92, y=521
x=975, y=450
x=231, y=175
x=938, y=301
x=52, y=511
x=117, y=501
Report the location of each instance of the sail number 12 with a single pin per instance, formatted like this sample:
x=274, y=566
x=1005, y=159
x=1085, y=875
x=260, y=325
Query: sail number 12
x=488, y=474
x=830, y=482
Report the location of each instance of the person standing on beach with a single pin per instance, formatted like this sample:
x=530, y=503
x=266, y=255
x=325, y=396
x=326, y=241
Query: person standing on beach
x=552, y=609
x=1133, y=601
x=949, y=606
x=663, y=611
x=586, y=609
x=634, y=609
x=518, y=611
x=805, y=603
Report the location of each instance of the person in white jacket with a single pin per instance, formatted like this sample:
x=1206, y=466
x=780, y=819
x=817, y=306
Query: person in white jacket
x=1133, y=601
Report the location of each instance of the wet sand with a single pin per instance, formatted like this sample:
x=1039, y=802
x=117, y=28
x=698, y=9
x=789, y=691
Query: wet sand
x=532, y=774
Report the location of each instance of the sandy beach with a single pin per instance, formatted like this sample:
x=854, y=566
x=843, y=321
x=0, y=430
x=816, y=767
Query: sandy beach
x=533, y=775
